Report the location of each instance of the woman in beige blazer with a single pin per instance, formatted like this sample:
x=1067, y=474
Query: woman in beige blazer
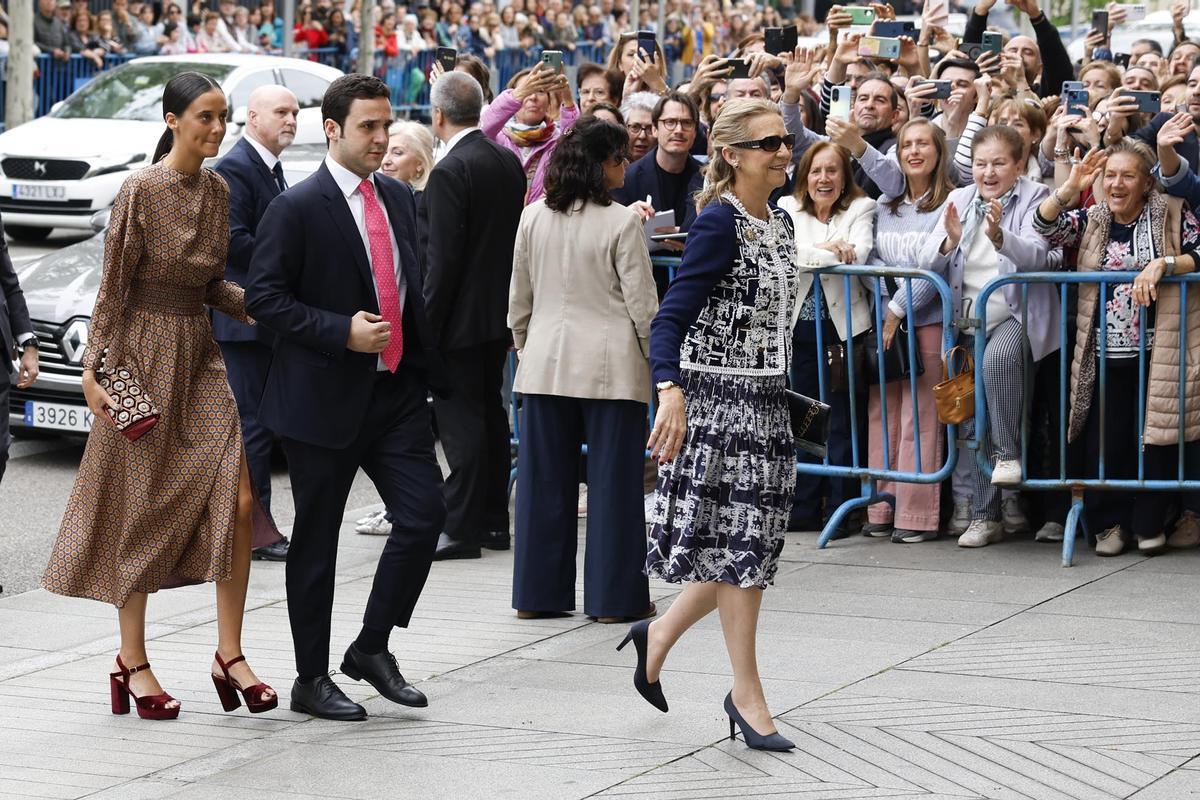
x=580, y=305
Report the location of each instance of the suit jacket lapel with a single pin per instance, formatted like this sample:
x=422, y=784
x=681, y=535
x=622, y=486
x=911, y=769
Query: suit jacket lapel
x=340, y=212
x=260, y=166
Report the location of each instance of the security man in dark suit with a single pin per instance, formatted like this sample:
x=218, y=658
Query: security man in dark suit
x=335, y=274
x=473, y=200
x=16, y=332
x=255, y=178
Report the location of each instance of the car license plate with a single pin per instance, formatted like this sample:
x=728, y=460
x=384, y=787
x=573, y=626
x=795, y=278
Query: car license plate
x=58, y=416
x=37, y=191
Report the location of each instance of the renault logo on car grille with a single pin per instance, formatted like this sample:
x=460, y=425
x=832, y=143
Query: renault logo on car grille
x=40, y=168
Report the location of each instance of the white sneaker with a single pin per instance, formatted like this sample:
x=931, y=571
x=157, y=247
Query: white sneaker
x=981, y=533
x=374, y=524
x=1050, y=532
x=960, y=520
x=1006, y=473
x=1014, y=518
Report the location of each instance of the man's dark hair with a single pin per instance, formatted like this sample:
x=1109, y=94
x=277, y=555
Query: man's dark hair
x=961, y=63
x=1151, y=43
x=879, y=76
x=335, y=105
x=675, y=97
x=575, y=173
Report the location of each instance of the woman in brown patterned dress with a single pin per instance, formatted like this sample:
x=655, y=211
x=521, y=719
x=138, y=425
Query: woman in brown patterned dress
x=175, y=506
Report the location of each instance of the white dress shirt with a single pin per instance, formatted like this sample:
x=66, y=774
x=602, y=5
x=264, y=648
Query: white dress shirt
x=443, y=149
x=347, y=183
x=269, y=158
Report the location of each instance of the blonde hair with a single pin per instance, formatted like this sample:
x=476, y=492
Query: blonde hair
x=731, y=126
x=421, y=139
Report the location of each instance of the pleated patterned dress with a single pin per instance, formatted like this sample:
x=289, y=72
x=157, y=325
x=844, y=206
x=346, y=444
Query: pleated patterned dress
x=160, y=511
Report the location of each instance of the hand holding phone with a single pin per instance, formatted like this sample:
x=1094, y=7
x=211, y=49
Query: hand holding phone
x=553, y=59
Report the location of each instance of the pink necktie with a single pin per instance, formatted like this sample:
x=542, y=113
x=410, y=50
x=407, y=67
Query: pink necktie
x=385, y=275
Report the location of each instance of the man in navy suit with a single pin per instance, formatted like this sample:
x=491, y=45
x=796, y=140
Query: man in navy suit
x=335, y=275
x=474, y=199
x=255, y=177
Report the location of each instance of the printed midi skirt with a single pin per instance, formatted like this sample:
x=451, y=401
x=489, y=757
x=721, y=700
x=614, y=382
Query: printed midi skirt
x=721, y=507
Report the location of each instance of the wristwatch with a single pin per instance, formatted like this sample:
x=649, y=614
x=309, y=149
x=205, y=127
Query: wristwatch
x=1170, y=264
x=662, y=386
x=32, y=341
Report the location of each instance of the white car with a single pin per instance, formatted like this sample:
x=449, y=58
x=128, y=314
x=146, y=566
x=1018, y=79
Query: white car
x=58, y=170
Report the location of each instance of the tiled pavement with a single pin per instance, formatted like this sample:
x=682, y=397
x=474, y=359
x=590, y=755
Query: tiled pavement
x=921, y=672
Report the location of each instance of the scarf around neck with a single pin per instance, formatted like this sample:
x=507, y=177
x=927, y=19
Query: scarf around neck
x=528, y=135
x=977, y=211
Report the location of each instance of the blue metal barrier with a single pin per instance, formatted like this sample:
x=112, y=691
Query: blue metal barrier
x=867, y=475
x=1077, y=484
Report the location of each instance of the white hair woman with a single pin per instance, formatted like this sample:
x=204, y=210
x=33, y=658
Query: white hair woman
x=410, y=154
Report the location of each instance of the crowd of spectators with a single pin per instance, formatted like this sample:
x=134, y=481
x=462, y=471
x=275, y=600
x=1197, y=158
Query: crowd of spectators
x=481, y=28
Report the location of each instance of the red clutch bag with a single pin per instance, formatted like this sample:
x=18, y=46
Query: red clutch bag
x=136, y=413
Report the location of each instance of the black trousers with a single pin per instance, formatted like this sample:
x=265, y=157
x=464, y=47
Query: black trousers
x=5, y=436
x=246, y=364
x=553, y=430
x=395, y=449
x=810, y=489
x=1045, y=424
x=1140, y=513
x=473, y=426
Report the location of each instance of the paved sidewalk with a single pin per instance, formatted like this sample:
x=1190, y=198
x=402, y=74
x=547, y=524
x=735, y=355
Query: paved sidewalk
x=922, y=672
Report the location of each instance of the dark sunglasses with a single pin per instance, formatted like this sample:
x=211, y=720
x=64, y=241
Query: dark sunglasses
x=769, y=143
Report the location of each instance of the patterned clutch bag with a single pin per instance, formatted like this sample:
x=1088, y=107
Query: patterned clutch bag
x=136, y=413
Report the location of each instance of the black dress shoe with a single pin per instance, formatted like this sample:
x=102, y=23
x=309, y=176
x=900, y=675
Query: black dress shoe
x=273, y=552
x=496, y=540
x=448, y=549
x=382, y=672
x=322, y=698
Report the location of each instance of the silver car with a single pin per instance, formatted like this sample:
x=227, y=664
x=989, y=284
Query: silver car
x=60, y=289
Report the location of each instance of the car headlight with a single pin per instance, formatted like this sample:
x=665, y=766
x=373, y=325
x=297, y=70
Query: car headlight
x=117, y=163
x=75, y=339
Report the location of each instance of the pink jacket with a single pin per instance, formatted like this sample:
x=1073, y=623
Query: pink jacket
x=497, y=115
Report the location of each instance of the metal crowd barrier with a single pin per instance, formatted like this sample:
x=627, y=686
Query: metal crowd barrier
x=1077, y=484
x=867, y=475
x=407, y=75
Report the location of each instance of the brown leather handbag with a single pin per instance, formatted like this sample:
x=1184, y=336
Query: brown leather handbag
x=955, y=395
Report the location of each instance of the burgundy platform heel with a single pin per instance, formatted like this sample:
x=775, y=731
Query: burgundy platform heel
x=152, y=706
x=227, y=690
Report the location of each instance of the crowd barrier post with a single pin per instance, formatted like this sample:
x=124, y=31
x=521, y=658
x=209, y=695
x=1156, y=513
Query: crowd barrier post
x=867, y=475
x=1078, y=484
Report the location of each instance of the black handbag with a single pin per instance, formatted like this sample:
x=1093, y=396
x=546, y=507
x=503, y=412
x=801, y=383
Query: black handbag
x=895, y=358
x=810, y=423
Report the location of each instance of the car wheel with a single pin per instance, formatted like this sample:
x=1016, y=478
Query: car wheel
x=28, y=233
